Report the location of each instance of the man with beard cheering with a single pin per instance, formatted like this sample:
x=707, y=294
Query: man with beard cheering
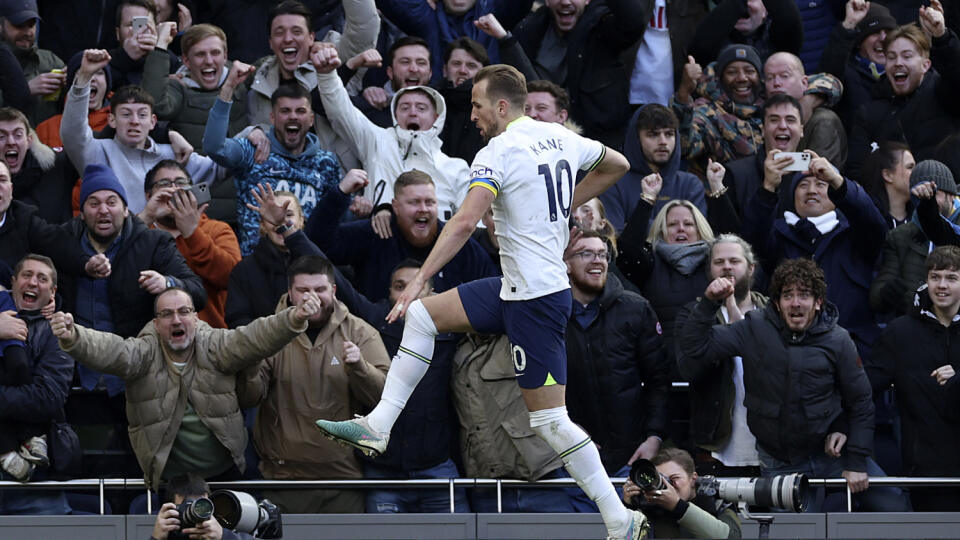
x=335, y=369
x=722, y=430
x=296, y=162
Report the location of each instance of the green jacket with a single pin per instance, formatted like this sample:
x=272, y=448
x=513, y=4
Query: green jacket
x=157, y=394
x=185, y=104
x=34, y=62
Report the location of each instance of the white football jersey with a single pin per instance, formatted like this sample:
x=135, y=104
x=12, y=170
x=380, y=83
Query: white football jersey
x=532, y=168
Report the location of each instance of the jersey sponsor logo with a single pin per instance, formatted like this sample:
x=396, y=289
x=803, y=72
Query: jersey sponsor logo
x=481, y=171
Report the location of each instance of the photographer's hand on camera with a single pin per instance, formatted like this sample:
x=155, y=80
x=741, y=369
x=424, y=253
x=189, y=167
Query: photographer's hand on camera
x=667, y=498
x=208, y=530
x=167, y=522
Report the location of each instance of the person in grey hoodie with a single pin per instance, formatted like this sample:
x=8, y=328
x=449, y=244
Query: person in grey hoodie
x=131, y=152
x=651, y=147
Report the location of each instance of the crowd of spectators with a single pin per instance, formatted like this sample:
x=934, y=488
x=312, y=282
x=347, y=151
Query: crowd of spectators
x=213, y=205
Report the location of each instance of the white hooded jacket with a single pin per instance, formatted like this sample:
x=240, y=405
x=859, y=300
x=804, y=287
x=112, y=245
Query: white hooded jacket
x=388, y=152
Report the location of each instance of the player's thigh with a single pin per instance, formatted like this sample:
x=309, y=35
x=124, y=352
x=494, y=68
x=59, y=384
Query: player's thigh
x=537, y=332
x=446, y=310
x=544, y=397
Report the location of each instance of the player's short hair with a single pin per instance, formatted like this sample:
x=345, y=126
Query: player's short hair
x=654, y=117
x=677, y=455
x=13, y=114
x=777, y=100
x=729, y=238
x=131, y=94
x=944, y=258
x=658, y=229
x=311, y=265
x=148, y=5
x=910, y=32
x=407, y=41
x=290, y=7
x=199, y=32
x=802, y=273
x=293, y=91
x=41, y=259
x=473, y=48
x=560, y=96
x=148, y=180
x=411, y=178
x=504, y=82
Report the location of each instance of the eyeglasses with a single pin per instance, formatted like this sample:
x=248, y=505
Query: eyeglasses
x=181, y=182
x=590, y=256
x=167, y=314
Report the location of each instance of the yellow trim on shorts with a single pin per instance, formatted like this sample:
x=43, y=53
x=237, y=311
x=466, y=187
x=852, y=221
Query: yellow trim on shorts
x=550, y=380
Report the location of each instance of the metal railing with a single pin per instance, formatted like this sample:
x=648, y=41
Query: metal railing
x=103, y=484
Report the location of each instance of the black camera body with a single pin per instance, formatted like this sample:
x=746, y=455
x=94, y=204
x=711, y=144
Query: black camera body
x=645, y=475
x=193, y=512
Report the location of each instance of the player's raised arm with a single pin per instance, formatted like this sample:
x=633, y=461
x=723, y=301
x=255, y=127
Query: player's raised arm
x=611, y=167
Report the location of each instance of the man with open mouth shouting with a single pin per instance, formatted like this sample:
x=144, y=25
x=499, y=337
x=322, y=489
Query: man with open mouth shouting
x=916, y=102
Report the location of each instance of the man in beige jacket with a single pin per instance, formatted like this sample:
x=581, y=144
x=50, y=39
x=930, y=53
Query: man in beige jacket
x=335, y=369
x=181, y=377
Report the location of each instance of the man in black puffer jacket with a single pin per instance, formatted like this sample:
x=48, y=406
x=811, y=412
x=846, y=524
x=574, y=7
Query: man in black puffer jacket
x=808, y=399
x=618, y=381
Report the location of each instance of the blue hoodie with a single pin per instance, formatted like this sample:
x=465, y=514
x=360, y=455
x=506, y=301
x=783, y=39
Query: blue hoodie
x=308, y=175
x=623, y=197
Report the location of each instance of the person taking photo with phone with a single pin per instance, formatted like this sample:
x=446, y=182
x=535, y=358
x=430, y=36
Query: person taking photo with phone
x=176, y=205
x=819, y=214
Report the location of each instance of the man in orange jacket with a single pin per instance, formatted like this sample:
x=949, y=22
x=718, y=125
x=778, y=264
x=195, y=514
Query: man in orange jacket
x=209, y=246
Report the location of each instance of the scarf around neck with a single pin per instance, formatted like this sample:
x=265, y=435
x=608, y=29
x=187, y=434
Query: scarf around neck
x=684, y=258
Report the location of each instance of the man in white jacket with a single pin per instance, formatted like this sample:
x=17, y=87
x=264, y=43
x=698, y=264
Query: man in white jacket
x=413, y=142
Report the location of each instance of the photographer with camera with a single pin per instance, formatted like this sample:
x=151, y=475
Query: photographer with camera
x=189, y=500
x=671, y=500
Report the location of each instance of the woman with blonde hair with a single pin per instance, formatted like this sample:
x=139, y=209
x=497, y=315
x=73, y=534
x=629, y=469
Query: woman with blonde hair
x=668, y=261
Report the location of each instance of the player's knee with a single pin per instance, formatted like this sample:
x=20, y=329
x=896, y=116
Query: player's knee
x=418, y=319
x=540, y=421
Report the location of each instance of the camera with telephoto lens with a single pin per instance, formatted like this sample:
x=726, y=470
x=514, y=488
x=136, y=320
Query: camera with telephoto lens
x=645, y=475
x=240, y=512
x=193, y=512
x=786, y=491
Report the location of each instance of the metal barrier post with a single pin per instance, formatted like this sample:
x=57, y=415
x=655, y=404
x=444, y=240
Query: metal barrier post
x=499, y=497
x=149, y=503
x=453, y=506
x=102, y=495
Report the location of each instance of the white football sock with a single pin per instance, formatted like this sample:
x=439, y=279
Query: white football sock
x=407, y=368
x=582, y=460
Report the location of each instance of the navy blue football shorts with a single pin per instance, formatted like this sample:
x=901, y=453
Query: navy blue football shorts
x=536, y=329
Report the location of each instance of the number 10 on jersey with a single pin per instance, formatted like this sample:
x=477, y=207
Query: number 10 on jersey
x=562, y=194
